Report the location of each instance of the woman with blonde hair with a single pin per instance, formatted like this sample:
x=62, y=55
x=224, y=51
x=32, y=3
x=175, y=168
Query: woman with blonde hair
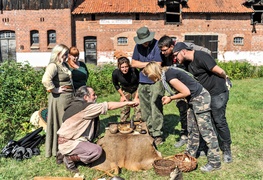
x=58, y=82
x=126, y=81
x=199, y=112
x=78, y=68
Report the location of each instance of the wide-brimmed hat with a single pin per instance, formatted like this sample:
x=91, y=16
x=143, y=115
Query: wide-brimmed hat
x=179, y=46
x=143, y=35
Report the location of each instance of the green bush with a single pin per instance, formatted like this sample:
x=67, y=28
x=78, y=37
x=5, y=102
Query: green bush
x=100, y=78
x=21, y=93
x=241, y=70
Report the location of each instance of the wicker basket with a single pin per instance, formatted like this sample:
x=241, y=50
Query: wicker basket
x=185, y=162
x=163, y=167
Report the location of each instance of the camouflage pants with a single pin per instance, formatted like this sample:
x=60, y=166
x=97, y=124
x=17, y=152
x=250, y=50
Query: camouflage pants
x=125, y=111
x=199, y=123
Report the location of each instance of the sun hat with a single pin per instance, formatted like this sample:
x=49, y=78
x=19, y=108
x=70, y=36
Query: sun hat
x=179, y=46
x=143, y=35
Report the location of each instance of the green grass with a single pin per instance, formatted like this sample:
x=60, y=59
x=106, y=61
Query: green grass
x=245, y=119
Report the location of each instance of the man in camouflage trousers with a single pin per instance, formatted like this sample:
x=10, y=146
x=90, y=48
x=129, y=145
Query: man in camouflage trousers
x=200, y=125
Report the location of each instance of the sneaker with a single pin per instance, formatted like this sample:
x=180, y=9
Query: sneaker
x=158, y=140
x=180, y=143
x=209, y=168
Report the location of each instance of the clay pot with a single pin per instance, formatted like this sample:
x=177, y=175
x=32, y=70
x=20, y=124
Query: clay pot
x=113, y=128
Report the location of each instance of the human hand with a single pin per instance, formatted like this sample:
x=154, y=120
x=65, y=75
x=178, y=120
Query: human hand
x=228, y=83
x=123, y=98
x=137, y=100
x=58, y=90
x=132, y=103
x=166, y=100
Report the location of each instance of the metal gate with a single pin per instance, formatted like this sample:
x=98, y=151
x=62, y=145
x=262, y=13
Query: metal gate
x=90, y=44
x=208, y=41
x=7, y=46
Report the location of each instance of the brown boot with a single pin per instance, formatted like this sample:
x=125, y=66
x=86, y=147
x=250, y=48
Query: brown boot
x=59, y=158
x=69, y=162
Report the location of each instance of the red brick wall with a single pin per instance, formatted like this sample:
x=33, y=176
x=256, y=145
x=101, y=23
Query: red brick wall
x=226, y=26
x=22, y=22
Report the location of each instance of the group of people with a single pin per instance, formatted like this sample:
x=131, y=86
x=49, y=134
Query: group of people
x=199, y=86
x=186, y=71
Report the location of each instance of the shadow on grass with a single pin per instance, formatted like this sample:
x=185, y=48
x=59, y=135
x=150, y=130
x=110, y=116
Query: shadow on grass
x=104, y=122
x=170, y=122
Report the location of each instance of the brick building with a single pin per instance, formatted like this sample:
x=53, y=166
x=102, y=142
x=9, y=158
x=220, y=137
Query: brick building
x=231, y=29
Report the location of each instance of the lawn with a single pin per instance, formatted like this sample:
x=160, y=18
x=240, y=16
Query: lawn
x=245, y=119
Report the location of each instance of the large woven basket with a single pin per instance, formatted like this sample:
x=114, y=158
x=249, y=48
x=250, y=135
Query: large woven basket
x=185, y=162
x=163, y=167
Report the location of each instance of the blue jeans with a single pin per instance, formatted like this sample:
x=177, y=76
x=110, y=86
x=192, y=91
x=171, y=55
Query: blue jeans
x=218, y=107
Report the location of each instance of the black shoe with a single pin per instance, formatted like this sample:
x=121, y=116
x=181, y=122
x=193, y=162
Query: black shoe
x=227, y=156
x=70, y=165
x=209, y=168
x=59, y=158
x=227, y=153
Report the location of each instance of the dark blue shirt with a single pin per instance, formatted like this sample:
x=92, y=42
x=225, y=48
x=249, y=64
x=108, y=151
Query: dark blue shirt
x=147, y=54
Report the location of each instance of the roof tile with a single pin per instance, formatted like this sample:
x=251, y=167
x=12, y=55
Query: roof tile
x=151, y=6
x=118, y=6
x=216, y=6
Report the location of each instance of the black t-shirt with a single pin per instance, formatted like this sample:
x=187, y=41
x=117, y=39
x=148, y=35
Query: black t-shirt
x=194, y=87
x=201, y=68
x=128, y=82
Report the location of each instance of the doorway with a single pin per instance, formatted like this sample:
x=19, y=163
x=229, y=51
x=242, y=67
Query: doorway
x=90, y=44
x=208, y=41
x=7, y=45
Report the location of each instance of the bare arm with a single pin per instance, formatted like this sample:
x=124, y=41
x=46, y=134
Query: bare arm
x=123, y=98
x=117, y=105
x=219, y=71
x=180, y=87
x=138, y=64
x=136, y=97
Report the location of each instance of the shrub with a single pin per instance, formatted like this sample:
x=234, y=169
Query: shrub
x=241, y=70
x=100, y=78
x=21, y=93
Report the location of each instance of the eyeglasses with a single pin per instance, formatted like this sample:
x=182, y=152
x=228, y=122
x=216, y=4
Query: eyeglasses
x=175, y=55
x=164, y=50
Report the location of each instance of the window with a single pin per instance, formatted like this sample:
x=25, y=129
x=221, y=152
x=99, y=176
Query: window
x=122, y=41
x=34, y=39
x=7, y=35
x=238, y=41
x=51, y=38
x=173, y=12
x=257, y=16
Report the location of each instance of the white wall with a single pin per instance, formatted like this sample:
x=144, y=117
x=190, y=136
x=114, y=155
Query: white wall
x=41, y=59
